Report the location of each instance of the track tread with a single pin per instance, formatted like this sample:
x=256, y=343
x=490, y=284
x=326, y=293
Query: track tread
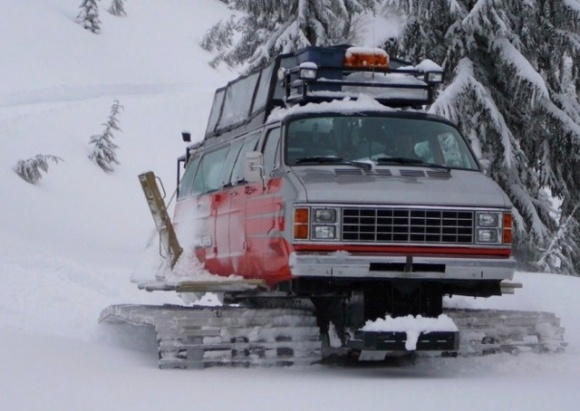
x=504, y=331
x=201, y=337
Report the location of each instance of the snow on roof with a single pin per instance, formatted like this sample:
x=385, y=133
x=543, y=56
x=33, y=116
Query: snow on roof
x=309, y=65
x=428, y=65
x=412, y=326
x=424, y=66
x=364, y=102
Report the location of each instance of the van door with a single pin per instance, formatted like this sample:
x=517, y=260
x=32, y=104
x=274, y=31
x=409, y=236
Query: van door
x=238, y=191
x=208, y=184
x=223, y=209
x=264, y=206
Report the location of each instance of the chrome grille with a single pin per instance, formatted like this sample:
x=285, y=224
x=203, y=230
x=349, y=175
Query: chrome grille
x=384, y=225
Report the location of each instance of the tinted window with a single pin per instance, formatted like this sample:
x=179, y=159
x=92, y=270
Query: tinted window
x=208, y=178
x=216, y=110
x=238, y=172
x=454, y=154
x=238, y=100
x=271, y=160
x=186, y=185
x=263, y=88
x=230, y=161
x=365, y=138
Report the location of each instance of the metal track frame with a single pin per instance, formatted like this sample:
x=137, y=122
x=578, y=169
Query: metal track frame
x=200, y=337
x=235, y=336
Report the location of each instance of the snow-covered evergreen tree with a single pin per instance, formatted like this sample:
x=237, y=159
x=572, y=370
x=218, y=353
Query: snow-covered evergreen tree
x=261, y=29
x=104, y=152
x=560, y=252
x=117, y=8
x=511, y=86
x=88, y=17
x=30, y=170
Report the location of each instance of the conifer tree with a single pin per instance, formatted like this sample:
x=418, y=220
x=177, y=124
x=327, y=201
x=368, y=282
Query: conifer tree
x=560, y=251
x=104, y=152
x=117, y=8
x=30, y=170
x=512, y=78
x=263, y=29
x=88, y=17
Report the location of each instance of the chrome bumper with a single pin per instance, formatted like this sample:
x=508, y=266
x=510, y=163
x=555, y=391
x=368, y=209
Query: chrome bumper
x=346, y=265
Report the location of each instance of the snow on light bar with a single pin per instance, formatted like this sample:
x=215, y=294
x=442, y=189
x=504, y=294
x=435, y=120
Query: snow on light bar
x=363, y=57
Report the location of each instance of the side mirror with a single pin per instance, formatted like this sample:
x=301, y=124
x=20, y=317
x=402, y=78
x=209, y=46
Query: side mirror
x=485, y=165
x=254, y=167
x=186, y=136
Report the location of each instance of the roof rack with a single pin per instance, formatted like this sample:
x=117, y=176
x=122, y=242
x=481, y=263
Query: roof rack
x=317, y=74
x=324, y=74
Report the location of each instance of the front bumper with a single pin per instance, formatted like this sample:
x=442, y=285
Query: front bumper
x=347, y=265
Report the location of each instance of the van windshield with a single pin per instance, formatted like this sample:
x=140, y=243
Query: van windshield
x=382, y=140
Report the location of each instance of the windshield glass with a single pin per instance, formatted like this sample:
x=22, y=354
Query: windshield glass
x=384, y=140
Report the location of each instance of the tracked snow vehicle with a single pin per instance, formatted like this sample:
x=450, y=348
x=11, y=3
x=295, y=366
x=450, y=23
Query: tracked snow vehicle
x=345, y=212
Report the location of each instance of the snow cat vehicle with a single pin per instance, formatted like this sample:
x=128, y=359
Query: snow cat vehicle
x=334, y=215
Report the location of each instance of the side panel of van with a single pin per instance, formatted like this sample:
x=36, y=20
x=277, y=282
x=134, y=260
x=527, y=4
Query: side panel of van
x=239, y=225
x=264, y=216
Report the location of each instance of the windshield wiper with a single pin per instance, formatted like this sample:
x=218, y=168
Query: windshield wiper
x=333, y=160
x=406, y=160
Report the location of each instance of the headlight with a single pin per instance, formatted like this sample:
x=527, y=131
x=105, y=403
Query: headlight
x=488, y=220
x=324, y=232
x=316, y=223
x=493, y=227
x=325, y=215
x=486, y=235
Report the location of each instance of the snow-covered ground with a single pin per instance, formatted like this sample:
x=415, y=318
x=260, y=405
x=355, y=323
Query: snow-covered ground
x=69, y=245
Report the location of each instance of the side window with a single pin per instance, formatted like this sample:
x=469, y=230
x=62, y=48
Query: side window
x=271, y=156
x=230, y=161
x=208, y=178
x=238, y=172
x=238, y=100
x=186, y=185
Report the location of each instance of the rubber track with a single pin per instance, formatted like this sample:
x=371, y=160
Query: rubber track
x=494, y=331
x=200, y=337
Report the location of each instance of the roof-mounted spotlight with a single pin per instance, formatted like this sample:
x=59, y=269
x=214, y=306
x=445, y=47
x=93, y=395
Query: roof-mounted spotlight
x=308, y=71
x=434, y=77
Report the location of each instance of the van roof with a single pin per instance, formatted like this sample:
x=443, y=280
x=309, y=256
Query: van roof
x=332, y=78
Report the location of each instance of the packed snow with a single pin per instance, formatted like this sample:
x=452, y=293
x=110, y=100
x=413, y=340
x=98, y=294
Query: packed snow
x=70, y=244
x=411, y=326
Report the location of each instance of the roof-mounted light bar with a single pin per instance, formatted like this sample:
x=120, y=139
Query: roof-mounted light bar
x=317, y=74
x=362, y=57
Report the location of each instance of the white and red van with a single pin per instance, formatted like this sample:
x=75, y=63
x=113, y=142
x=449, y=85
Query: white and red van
x=322, y=176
